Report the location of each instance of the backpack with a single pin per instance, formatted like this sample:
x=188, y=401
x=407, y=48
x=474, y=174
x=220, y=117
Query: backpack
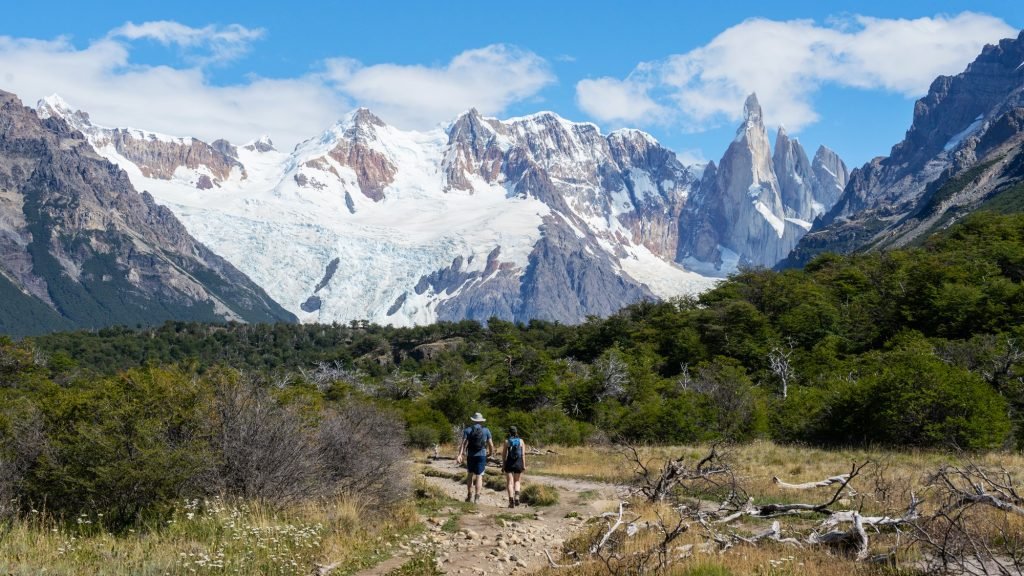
x=477, y=440
x=515, y=446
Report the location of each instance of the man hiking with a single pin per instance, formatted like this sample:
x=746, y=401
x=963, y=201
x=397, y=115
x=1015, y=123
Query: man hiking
x=513, y=464
x=476, y=445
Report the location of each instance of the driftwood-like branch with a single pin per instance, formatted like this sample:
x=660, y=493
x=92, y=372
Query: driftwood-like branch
x=972, y=484
x=772, y=510
x=615, y=526
x=808, y=485
x=878, y=522
x=658, y=485
x=855, y=538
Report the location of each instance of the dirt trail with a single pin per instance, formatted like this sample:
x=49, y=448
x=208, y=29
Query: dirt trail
x=491, y=538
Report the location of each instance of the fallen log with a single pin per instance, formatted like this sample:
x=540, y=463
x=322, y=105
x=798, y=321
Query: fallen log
x=809, y=485
x=847, y=516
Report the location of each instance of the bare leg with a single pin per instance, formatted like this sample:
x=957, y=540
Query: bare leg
x=479, y=485
x=470, y=478
x=515, y=480
x=510, y=484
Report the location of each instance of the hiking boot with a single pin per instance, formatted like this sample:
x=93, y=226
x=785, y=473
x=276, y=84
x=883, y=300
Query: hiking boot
x=476, y=499
x=512, y=503
x=516, y=499
x=469, y=497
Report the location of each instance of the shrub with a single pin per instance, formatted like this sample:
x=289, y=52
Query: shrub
x=539, y=495
x=265, y=451
x=362, y=449
x=423, y=436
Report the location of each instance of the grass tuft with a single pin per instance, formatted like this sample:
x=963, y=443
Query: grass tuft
x=539, y=495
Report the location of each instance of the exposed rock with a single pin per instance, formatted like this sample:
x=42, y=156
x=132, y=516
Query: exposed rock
x=157, y=156
x=741, y=211
x=261, y=144
x=332, y=268
x=312, y=304
x=830, y=178
x=956, y=154
x=78, y=238
x=796, y=180
x=374, y=171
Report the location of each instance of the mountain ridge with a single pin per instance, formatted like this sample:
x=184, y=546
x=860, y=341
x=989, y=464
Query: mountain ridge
x=76, y=239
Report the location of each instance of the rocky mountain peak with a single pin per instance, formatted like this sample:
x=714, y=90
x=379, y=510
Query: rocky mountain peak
x=155, y=155
x=262, y=144
x=796, y=180
x=754, y=205
x=79, y=241
x=964, y=125
x=752, y=109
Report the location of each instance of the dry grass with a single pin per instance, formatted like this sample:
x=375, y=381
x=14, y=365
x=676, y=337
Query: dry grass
x=883, y=487
x=212, y=537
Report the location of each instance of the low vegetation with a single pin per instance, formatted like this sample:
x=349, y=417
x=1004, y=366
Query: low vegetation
x=136, y=450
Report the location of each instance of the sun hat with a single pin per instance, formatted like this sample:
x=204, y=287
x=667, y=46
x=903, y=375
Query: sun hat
x=478, y=417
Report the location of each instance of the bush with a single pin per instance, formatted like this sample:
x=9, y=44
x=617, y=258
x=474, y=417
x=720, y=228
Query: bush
x=124, y=447
x=910, y=397
x=423, y=436
x=539, y=495
x=362, y=449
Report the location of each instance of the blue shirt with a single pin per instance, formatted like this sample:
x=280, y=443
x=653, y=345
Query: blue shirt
x=487, y=437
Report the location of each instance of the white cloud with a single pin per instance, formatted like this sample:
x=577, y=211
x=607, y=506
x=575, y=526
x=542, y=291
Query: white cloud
x=102, y=80
x=489, y=79
x=787, y=62
x=222, y=43
x=618, y=101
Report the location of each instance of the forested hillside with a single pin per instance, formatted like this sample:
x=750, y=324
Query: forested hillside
x=908, y=347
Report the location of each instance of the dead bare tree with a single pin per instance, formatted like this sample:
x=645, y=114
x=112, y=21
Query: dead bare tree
x=778, y=362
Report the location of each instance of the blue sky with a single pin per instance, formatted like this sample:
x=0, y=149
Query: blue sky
x=842, y=74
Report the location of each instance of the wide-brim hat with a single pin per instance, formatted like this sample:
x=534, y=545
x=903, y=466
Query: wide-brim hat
x=478, y=417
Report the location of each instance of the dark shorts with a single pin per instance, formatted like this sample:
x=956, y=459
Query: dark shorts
x=476, y=464
x=514, y=469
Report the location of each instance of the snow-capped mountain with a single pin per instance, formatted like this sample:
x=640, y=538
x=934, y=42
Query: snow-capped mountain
x=753, y=207
x=81, y=248
x=533, y=217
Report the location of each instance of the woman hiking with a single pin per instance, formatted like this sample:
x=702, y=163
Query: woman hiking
x=513, y=464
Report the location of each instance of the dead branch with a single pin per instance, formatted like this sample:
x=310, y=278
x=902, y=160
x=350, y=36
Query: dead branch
x=657, y=486
x=855, y=538
x=772, y=510
x=878, y=522
x=553, y=564
x=972, y=484
x=615, y=526
x=808, y=485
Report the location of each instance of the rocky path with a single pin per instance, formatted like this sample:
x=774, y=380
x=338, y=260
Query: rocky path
x=490, y=538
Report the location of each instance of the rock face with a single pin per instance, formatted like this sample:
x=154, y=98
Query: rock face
x=155, y=155
x=80, y=248
x=960, y=153
x=754, y=206
x=830, y=178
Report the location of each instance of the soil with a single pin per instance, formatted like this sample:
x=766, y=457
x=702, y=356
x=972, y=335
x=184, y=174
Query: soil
x=490, y=537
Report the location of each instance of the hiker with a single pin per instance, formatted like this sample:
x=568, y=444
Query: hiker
x=476, y=446
x=513, y=464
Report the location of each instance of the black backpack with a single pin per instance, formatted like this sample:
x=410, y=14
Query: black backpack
x=477, y=440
